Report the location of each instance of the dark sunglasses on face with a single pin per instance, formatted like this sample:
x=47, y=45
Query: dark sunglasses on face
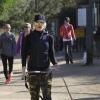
x=40, y=22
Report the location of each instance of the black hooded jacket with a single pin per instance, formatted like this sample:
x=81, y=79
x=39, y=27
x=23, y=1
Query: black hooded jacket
x=39, y=46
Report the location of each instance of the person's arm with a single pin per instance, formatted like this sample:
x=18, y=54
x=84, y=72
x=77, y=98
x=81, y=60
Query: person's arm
x=18, y=44
x=26, y=48
x=73, y=33
x=0, y=41
x=61, y=31
x=13, y=44
x=51, y=50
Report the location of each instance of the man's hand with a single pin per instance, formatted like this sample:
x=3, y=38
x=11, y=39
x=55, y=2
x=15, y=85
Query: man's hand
x=56, y=67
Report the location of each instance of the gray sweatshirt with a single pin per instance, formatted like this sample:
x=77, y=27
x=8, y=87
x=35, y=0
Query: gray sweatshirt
x=8, y=44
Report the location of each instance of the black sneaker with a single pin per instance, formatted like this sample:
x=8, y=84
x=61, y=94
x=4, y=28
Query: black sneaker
x=67, y=62
x=71, y=62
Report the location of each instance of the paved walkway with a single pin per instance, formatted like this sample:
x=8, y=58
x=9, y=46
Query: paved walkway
x=83, y=82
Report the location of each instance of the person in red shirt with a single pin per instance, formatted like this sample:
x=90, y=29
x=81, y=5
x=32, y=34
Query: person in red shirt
x=68, y=36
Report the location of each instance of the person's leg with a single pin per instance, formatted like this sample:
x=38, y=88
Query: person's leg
x=70, y=52
x=4, y=62
x=10, y=62
x=23, y=67
x=66, y=52
x=34, y=87
x=23, y=72
x=46, y=86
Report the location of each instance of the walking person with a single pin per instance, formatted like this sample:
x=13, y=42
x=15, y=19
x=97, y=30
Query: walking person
x=20, y=45
x=8, y=51
x=68, y=36
x=39, y=49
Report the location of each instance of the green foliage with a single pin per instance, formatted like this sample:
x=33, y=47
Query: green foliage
x=6, y=5
x=20, y=11
x=1, y=6
x=12, y=8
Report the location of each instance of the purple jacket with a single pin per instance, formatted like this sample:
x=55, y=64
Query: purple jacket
x=19, y=42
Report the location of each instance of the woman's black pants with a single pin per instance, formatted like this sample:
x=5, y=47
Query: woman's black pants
x=6, y=59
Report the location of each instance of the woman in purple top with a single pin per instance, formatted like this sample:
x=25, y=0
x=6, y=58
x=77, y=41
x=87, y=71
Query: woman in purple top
x=20, y=45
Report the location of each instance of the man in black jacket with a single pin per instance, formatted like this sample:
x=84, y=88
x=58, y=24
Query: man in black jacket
x=39, y=49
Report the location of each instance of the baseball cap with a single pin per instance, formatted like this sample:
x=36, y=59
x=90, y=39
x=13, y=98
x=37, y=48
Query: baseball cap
x=39, y=18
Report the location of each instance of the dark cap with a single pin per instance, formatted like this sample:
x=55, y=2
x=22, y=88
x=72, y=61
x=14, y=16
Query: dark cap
x=39, y=17
x=67, y=19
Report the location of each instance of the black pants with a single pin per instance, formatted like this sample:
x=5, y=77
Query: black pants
x=23, y=60
x=4, y=59
x=68, y=51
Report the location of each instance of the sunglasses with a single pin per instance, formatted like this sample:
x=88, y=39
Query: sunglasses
x=40, y=21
